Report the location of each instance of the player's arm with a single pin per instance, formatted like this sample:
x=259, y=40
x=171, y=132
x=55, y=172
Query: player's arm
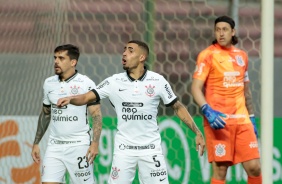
x=83, y=99
x=248, y=98
x=185, y=117
x=42, y=125
x=96, y=115
x=197, y=92
x=249, y=105
x=214, y=117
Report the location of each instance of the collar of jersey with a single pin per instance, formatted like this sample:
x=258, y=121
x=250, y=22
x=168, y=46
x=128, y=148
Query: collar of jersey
x=140, y=78
x=70, y=78
x=223, y=48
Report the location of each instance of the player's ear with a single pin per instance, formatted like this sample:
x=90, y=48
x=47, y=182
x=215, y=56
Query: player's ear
x=73, y=62
x=233, y=32
x=142, y=57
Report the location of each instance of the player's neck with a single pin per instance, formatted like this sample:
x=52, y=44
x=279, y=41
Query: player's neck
x=137, y=73
x=226, y=47
x=67, y=75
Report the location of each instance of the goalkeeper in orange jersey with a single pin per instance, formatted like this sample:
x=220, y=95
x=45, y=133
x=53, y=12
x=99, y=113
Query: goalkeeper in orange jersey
x=221, y=88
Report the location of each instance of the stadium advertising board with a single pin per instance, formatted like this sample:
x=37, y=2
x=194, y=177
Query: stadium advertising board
x=183, y=162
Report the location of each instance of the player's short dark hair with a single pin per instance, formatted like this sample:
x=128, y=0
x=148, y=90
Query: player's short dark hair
x=231, y=22
x=73, y=51
x=141, y=44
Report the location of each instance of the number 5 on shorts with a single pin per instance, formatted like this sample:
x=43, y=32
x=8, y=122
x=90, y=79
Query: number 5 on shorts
x=158, y=164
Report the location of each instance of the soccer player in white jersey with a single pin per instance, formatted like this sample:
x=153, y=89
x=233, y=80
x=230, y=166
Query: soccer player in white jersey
x=135, y=95
x=70, y=147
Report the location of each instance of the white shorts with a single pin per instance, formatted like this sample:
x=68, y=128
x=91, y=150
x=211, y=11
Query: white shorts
x=151, y=169
x=59, y=159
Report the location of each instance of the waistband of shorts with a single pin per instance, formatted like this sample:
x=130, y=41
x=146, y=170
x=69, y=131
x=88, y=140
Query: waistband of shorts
x=56, y=142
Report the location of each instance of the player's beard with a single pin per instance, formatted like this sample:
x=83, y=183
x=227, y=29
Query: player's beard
x=125, y=67
x=58, y=71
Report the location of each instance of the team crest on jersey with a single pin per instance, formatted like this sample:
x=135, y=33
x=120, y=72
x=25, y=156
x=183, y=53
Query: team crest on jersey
x=115, y=173
x=220, y=150
x=74, y=90
x=150, y=90
x=240, y=60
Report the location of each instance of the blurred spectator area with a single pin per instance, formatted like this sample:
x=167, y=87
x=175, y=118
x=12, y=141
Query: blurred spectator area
x=179, y=27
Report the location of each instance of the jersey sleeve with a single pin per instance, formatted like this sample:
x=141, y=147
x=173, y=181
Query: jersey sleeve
x=203, y=66
x=246, y=75
x=166, y=93
x=91, y=85
x=46, y=101
x=103, y=89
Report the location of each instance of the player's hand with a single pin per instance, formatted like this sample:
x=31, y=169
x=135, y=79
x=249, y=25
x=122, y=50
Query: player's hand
x=35, y=153
x=200, y=143
x=213, y=117
x=63, y=102
x=253, y=120
x=92, y=152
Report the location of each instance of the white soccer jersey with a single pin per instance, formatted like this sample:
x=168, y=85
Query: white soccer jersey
x=136, y=104
x=69, y=124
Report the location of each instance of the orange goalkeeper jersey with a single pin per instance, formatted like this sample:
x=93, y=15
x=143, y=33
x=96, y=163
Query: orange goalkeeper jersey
x=224, y=72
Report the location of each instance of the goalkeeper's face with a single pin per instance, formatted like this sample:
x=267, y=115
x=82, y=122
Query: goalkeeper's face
x=224, y=34
x=131, y=56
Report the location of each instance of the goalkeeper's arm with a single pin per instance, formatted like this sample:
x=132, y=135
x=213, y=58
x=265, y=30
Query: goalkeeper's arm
x=249, y=105
x=213, y=116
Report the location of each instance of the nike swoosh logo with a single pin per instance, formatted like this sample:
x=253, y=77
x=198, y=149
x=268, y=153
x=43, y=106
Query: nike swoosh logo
x=86, y=179
x=121, y=89
x=162, y=179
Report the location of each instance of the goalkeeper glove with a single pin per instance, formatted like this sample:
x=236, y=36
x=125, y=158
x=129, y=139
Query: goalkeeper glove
x=253, y=120
x=213, y=117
